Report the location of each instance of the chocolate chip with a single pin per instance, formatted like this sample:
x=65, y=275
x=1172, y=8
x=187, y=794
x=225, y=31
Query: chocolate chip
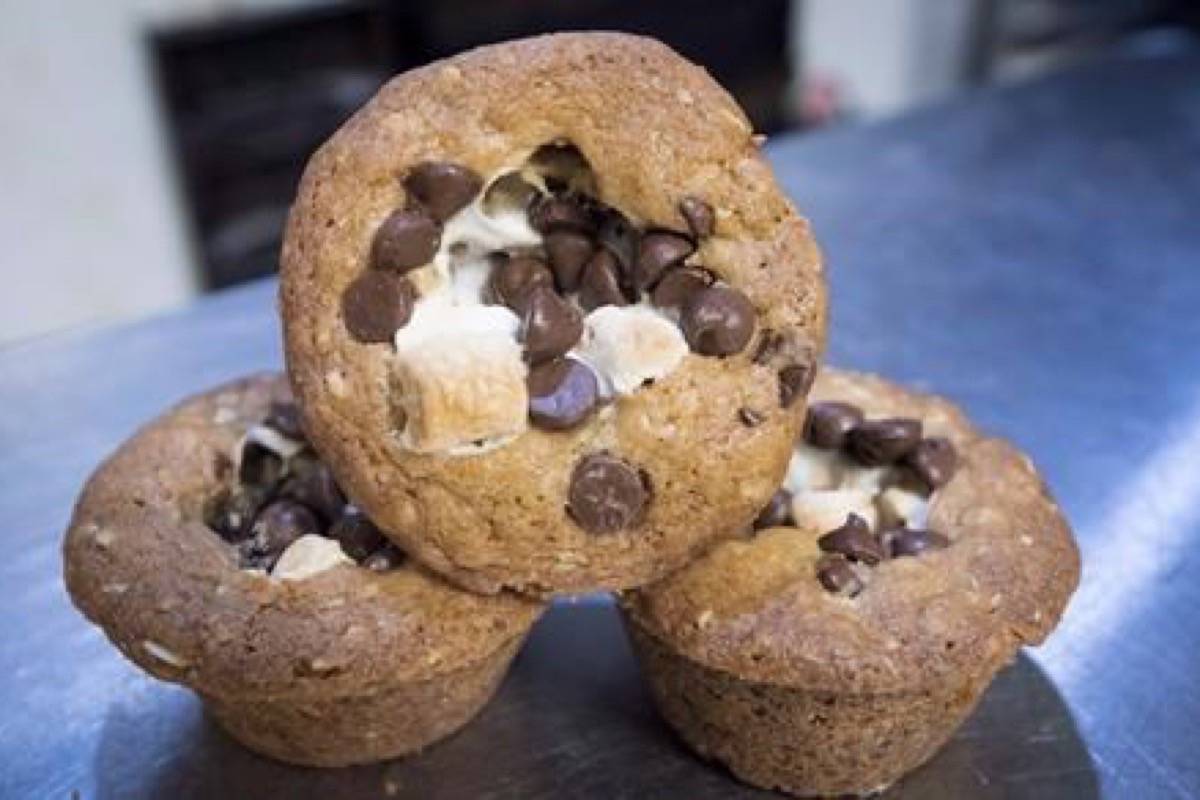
x=568, y=252
x=776, y=513
x=658, y=251
x=231, y=512
x=678, y=285
x=699, y=216
x=828, y=424
x=406, y=240
x=510, y=193
x=905, y=542
x=718, y=321
x=853, y=540
x=284, y=417
x=557, y=212
x=442, y=187
x=550, y=326
x=259, y=465
x=794, y=383
x=933, y=461
x=606, y=495
x=749, y=417
x=357, y=535
x=562, y=393
x=277, y=526
x=619, y=237
x=385, y=559
x=513, y=279
x=312, y=483
x=600, y=285
x=376, y=305
x=878, y=442
x=837, y=576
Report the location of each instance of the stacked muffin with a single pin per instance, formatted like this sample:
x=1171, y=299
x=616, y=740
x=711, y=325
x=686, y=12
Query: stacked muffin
x=550, y=327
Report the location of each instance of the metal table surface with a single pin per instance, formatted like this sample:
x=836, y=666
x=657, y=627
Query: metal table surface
x=1031, y=252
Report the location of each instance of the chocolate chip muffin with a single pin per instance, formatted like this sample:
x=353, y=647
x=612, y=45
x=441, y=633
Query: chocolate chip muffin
x=216, y=551
x=841, y=642
x=541, y=301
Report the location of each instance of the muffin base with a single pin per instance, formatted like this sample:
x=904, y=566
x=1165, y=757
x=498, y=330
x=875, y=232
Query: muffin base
x=376, y=725
x=799, y=740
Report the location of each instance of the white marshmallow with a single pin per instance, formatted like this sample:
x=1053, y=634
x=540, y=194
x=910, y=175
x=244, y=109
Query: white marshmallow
x=629, y=345
x=822, y=511
x=307, y=556
x=901, y=507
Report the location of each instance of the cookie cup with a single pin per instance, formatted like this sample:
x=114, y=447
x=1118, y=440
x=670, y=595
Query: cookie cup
x=344, y=667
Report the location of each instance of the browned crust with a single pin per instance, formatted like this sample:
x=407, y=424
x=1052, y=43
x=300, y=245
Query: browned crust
x=754, y=608
x=141, y=564
x=655, y=128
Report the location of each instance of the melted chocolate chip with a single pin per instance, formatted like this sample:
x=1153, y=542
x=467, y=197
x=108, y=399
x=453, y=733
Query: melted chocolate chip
x=442, y=187
x=658, y=251
x=568, y=252
x=277, y=526
x=837, y=576
x=606, y=494
x=558, y=212
x=905, y=542
x=385, y=559
x=284, y=417
x=776, y=513
x=231, y=512
x=933, y=461
x=376, y=305
x=357, y=535
x=550, y=326
x=312, y=484
x=792, y=361
x=853, y=540
x=794, y=383
x=619, y=237
x=828, y=424
x=600, y=285
x=513, y=279
x=679, y=285
x=406, y=240
x=718, y=321
x=879, y=442
x=562, y=394
x=699, y=216
x=258, y=465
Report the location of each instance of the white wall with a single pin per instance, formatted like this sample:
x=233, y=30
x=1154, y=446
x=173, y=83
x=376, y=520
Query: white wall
x=90, y=224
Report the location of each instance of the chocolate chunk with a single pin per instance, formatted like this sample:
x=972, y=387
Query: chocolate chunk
x=606, y=494
x=853, y=540
x=676, y=288
x=312, y=484
x=277, y=526
x=828, y=424
x=878, y=442
x=699, y=216
x=658, y=251
x=933, y=461
x=837, y=576
x=550, y=326
x=619, y=237
x=749, y=417
x=376, y=305
x=357, y=535
x=284, y=417
x=442, y=187
x=776, y=513
x=600, y=285
x=259, y=465
x=557, y=212
x=907, y=542
x=231, y=512
x=385, y=559
x=794, y=383
x=513, y=279
x=793, y=361
x=568, y=252
x=562, y=393
x=718, y=321
x=406, y=240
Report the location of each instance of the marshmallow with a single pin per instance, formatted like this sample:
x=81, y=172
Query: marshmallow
x=821, y=511
x=629, y=345
x=307, y=556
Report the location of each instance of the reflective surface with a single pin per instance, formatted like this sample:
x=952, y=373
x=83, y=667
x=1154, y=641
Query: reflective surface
x=1033, y=253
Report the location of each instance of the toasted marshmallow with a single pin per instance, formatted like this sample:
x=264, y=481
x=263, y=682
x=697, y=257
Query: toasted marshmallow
x=307, y=556
x=629, y=345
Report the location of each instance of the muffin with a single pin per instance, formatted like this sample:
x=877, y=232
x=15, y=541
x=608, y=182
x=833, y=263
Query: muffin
x=524, y=288
x=216, y=551
x=840, y=643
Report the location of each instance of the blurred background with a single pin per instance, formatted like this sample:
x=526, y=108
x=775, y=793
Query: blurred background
x=149, y=148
